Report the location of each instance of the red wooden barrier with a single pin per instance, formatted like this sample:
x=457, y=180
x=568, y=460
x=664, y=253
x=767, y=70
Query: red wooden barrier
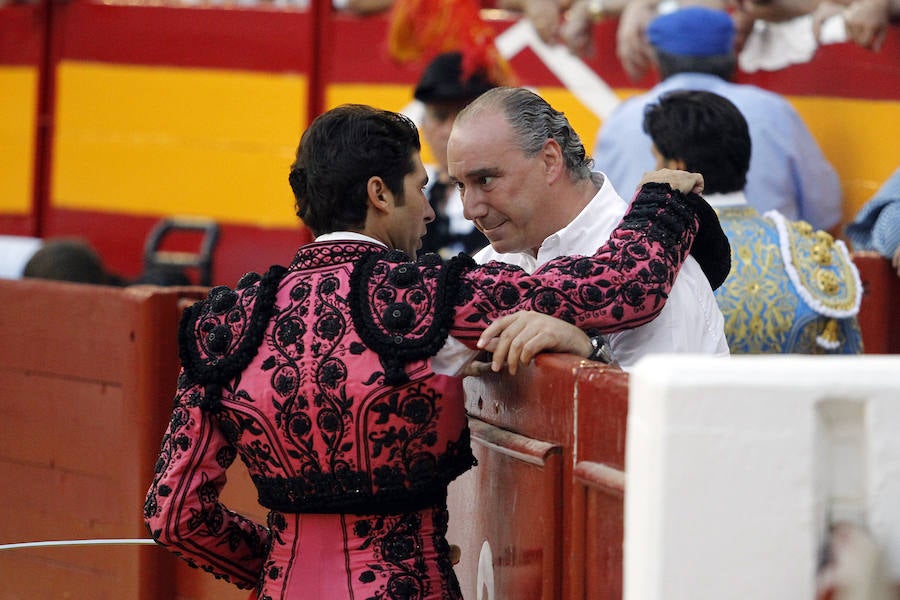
x=879, y=313
x=541, y=516
x=86, y=379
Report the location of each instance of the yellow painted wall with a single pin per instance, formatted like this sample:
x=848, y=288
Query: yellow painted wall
x=388, y=96
x=175, y=141
x=166, y=141
x=397, y=97
x=859, y=137
x=18, y=107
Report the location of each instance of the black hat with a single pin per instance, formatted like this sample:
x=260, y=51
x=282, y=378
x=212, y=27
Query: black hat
x=442, y=81
x=711, y=248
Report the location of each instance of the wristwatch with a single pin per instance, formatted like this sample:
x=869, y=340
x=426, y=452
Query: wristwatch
x=600, y=351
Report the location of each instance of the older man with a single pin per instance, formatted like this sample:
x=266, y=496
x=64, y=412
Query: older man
x=527, y=184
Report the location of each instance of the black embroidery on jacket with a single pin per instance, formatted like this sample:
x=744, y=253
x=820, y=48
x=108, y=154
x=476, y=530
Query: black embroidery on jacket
x=352, y=492
x=402, y=309
x=225, y=355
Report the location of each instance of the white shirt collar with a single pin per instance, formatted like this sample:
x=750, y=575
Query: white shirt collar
x=344, y=236
x=603, y=212
x=726, y=200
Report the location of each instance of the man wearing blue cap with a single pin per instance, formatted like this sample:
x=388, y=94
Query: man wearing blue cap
x=694, y=49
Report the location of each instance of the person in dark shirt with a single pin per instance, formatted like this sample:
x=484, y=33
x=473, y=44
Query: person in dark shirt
x=444, y=91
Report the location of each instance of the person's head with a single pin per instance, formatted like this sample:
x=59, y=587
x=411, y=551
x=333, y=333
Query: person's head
x=520, y=168
x=694, y=39
x=701, y=132
x=69, y=260
x=444, y=91
x=358, y=169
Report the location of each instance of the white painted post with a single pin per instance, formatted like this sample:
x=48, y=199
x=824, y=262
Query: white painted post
x=735, y=468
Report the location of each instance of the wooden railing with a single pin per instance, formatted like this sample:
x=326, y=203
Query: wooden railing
x=879, y=314
x=87, y=375
x=541, y=515
x=86, y=380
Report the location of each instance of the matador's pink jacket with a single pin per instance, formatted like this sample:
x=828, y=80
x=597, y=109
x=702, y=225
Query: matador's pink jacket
x=319, y=376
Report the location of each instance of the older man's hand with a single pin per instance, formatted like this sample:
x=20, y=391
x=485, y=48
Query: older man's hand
x=517, y=338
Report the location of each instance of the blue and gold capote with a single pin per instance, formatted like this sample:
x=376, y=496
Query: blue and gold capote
x=791, y=289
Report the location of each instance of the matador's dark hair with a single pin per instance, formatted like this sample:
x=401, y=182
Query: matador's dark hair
x=707, y=132
x=338, y=154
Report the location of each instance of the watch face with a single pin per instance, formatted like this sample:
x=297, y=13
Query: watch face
x=601, y=351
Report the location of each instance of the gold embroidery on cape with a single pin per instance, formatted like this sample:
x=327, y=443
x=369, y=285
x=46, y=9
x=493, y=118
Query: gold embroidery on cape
x=756, y=300
x=820, y=268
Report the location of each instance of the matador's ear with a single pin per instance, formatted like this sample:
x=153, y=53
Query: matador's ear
x=376, y=190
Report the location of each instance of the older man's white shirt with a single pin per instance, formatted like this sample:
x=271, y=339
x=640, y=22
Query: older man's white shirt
x=689, y=322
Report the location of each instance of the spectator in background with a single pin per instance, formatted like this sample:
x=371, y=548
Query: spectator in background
x=877, y=224
x=803, y=302
x=634, y=53
x=444, y=92
x=694, y=50
x=70, y=260
x=865, y=21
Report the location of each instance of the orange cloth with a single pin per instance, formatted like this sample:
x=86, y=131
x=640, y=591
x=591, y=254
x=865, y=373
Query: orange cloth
x=421, y=29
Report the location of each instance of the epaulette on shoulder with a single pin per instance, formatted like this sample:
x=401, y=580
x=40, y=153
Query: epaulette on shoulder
x=402, y=309
x=820, y=268
x=220, y=335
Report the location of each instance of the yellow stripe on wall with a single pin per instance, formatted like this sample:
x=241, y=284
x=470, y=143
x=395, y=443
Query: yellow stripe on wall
x=165, y=141
x=397, y=97
x=859, y=138
x=177, y=141
x=393, y=97
x=18, y=105
x=388, y=96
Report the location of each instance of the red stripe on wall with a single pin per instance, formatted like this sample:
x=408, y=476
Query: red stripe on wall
x=354, y=49
x=21, y=34
x=841, y=70
x=18, y=225
x=119, y=239
x=252, y=39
